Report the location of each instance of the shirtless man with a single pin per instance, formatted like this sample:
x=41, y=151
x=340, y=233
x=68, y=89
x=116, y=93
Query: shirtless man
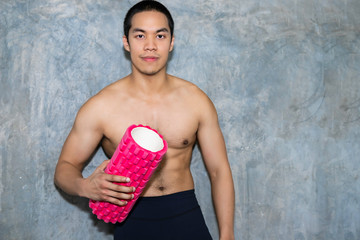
x=179, y=111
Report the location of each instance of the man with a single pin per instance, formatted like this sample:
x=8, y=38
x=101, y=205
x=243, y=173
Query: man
x=179, y=111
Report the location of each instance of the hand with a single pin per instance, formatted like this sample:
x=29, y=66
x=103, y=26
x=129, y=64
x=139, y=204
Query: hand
x=100, y=186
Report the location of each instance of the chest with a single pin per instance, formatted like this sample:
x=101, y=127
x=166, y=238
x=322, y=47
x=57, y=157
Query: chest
x=177, y=122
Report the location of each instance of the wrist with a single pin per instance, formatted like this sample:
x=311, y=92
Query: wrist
x=227, y=234
x=81, y=186
x=227, y=237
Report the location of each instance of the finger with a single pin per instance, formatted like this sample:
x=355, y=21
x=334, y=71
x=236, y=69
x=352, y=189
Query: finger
x=118, y=179
x=122, y=189
x=115, y=201
x=118, y=187
x=103, y=165
x=110, y=185
x=120, y=195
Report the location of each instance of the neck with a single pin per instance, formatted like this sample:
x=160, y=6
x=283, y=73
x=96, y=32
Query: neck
x=149, y=84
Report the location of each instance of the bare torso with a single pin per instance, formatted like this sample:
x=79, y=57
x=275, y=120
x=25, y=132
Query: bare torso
x=122, y=108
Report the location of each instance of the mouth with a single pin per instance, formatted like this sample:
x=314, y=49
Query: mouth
x=149, y=58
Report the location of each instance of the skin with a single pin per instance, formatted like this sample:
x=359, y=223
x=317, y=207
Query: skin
x=149, y=96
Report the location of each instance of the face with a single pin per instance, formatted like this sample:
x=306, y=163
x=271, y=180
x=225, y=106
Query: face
x=149, y=42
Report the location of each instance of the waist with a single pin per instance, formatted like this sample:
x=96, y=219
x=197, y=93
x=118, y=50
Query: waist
x=166, y=206
x=168, y=197
x=166, y=182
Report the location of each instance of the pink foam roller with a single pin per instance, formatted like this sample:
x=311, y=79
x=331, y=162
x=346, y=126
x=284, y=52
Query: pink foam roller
x=137, y=156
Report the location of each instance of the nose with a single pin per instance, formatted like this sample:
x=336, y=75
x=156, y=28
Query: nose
x=150, y=44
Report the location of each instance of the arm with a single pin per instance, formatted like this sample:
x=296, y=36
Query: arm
x=81, y=143
x=213, y=149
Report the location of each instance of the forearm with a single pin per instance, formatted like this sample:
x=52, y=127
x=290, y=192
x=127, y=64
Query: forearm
x=69, y=178
x=224, y=201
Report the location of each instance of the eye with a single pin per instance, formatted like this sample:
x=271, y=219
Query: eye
x=160, y=36
x=140, y=36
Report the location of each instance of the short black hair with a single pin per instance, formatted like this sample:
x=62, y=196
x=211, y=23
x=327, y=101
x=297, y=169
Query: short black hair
x=147, y=5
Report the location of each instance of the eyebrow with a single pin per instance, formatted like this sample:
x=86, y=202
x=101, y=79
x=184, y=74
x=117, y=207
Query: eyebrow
x=143, y=31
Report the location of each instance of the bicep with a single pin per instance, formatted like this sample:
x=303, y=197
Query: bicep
x=211, y=139
x=83, y=139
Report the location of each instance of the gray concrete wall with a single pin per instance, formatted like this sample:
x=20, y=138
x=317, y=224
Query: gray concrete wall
x=283, y=74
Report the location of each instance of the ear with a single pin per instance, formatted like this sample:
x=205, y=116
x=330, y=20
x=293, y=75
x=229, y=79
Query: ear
x=126, y=43
x=172, y=44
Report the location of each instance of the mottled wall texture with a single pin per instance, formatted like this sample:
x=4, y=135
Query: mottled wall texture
x=284, y=76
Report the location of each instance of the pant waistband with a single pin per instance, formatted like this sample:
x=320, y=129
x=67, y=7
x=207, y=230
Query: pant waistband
x=178, y=195
x=162, y=207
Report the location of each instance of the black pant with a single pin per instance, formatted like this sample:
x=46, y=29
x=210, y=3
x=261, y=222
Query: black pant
x=170, y=217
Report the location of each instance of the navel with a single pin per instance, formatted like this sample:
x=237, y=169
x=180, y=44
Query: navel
x=161, y=188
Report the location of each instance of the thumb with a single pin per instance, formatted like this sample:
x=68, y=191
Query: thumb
x=103, y=165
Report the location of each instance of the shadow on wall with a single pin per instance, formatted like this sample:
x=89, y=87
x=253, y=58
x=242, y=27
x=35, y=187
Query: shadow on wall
x=83, y=205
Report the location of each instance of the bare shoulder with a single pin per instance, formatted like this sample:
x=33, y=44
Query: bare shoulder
x=190, y=91
x=98, y=106
x=199, y=99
